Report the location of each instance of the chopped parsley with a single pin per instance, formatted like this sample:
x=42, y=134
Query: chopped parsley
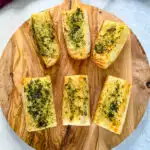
x=75, y=23
x=107, y=41
x=43, y=32
x=73, y=98
x=38, y=96
x=112, y=101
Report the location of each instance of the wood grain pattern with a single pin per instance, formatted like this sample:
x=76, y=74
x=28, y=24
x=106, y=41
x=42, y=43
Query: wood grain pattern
x=19, y=60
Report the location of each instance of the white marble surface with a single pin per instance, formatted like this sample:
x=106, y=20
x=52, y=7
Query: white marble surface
x=134, y=12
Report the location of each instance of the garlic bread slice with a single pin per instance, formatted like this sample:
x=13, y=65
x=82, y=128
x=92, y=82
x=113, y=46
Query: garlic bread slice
x=44, y=34
x=76, y=32
x=113, y=104
x=110, y=41
x=38, y=103
x=76, y=106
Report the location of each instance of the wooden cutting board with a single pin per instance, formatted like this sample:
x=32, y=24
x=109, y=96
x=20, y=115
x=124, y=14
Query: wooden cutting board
x=19, y=60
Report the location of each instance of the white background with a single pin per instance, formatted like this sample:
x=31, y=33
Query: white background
x=136, y=13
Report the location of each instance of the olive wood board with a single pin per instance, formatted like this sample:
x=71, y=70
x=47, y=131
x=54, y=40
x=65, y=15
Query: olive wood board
x=19, y=60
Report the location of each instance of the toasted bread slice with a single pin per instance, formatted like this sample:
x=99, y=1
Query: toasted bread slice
x=38, y=103
x=113, y=103
x=76, y=32
x=44, y=34
x=110, y=41
x=76, y=106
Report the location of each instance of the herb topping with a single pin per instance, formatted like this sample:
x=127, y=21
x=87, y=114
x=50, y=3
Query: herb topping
x=75, y=23
x=43, y=32
x=111, y=105
x=38, y=106
x=77, y=103
x=107, y=41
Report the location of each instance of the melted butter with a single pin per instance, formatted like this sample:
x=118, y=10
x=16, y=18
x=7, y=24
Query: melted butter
x=111, y=102
x=76, y=99
x=108, y=37
x=43, y=32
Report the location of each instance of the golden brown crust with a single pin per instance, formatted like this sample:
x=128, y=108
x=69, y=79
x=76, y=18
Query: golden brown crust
x=77, y=57
x=105, y=60
x=100, y=63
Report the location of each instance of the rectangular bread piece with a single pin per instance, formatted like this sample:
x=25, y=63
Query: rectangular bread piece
x=113, y=104
x=76, y=106
x=110, y=40
x=44, y=35
x=38, y=103
x=76, y=32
